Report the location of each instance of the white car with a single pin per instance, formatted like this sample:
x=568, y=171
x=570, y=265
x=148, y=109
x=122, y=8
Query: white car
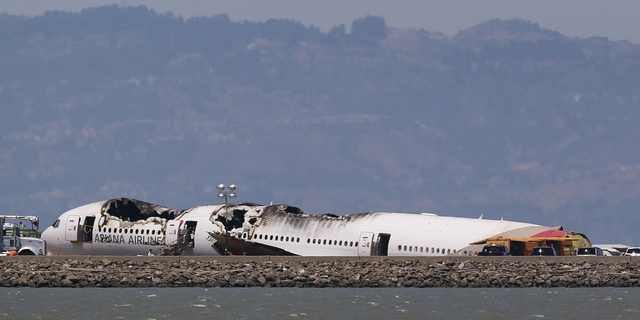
x=632, y=252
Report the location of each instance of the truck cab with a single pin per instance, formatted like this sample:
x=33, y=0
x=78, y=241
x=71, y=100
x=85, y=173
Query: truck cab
x=13, y=243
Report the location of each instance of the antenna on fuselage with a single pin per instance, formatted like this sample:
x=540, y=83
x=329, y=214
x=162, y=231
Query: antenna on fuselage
x=481, y=216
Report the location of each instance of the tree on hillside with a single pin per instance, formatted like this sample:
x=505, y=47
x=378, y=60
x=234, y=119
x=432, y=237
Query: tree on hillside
x=368, y=31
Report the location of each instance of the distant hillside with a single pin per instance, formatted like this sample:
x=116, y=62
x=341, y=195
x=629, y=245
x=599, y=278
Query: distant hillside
x=503, y=119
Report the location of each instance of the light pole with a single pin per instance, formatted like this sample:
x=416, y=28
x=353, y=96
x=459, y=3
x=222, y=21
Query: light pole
x=226, y=194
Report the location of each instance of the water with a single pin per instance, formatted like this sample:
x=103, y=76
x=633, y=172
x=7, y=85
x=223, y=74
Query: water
x=294, y=303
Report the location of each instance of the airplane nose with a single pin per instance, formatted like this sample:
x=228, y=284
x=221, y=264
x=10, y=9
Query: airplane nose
x=45, y=234
x=47, y=237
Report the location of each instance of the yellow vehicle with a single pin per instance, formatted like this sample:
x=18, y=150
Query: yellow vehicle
x=563, y=246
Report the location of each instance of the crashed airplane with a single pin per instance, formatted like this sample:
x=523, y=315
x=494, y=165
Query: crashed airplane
x=125, y=226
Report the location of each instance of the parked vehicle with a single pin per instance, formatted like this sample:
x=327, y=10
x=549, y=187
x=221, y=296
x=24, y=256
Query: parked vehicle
x=543, y=251
x=13, y=243
x=632, y=252
x=589, y=252
x=612, y=252
x=494, y=250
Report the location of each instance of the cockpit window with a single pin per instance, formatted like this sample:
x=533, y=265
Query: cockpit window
x=56, y=224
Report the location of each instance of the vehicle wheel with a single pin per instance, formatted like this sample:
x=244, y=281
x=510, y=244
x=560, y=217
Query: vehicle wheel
x=26, y=253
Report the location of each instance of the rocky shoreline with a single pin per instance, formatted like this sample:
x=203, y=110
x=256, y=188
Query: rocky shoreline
x=123, y=273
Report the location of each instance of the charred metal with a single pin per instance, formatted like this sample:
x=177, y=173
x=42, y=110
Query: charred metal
x=245, y=221
x=127, y=209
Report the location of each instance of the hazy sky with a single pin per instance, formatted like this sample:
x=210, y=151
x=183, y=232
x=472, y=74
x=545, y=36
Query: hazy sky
x=617, y=20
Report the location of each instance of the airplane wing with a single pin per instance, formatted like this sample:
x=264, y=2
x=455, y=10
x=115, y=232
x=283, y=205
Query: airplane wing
x=241, y=247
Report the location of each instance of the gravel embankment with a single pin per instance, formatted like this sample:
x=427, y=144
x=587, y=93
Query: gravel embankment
x=400, y=273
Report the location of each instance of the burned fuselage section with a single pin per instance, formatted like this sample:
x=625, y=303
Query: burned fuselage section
x=131, y=221
x=280, y=230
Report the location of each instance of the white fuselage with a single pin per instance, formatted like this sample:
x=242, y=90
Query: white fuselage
x=116, y=237
x=89, y=230
x=406, y=234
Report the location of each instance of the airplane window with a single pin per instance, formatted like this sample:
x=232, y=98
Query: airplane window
x=449, y=251
x=438, y=251
x=405, y=248
x=465, y=252
x=454, y=251
x=329, y=242
x=421, y=249
x=351, y=244
x=270, y=237
x=415, y=249
x=340, y=242
x=399, y=247
x=244, y=235
x=356, y=243
x=410, y=248
x=260, y=237
x=442, y=250
x=346, y=243
x=431, y=249
x=126, y=230
x=314, y=241
x=109, y=230
x=287, y=238
x=308, y=240
x=153, y=231
x=281, y=238
x=297, y=239
x=120, y=230
x=335, y=242
x=137, y=231
x=147, y=231
x=325, y=241
x=56, y=224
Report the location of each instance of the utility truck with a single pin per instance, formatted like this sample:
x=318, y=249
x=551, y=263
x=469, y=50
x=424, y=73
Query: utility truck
x=18, y=238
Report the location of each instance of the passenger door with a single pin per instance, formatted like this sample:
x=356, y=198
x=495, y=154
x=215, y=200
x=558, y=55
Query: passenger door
x=71, y=228
x=364, y=245
x=172, y=232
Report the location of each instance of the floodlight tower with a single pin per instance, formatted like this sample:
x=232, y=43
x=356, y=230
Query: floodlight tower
x=229, y=193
